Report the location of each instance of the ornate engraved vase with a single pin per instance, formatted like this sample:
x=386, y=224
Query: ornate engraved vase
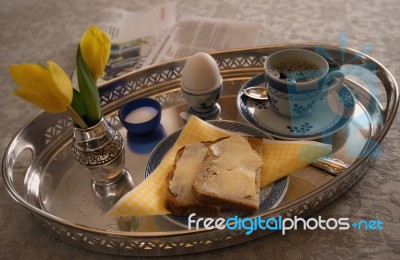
x=100, y=150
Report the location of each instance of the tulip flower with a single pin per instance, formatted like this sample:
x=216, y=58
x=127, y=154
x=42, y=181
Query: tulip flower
x=51, y=89
x=47, y=87
x=95, y=47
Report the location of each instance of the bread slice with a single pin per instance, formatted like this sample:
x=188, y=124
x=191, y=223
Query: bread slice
x=230, y=176
x=185, y=205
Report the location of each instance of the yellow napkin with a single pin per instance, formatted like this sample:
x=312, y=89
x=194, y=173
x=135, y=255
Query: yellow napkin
x=280, y=159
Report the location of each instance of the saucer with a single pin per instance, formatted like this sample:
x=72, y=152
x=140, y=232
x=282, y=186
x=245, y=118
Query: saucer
x=329, y=115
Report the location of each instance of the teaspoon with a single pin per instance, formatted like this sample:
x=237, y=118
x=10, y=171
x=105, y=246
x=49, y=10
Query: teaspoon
x=258, y=92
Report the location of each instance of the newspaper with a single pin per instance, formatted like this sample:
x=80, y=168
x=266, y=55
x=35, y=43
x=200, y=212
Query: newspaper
x=151, y=37
x=133, y=34
x=203, y=34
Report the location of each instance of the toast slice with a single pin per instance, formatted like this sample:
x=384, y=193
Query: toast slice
x=230, y=174
x=180, y=199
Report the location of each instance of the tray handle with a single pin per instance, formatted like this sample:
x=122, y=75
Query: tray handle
x=17, y=161
x=32, y=141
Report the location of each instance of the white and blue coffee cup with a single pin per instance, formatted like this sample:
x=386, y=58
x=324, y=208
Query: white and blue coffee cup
x=297, y=79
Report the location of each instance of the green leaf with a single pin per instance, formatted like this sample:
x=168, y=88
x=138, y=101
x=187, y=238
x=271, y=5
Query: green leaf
x=88, y=91
x=77, y=104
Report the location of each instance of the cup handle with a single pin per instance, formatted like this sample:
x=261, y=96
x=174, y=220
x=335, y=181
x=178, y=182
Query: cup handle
x=338, y=79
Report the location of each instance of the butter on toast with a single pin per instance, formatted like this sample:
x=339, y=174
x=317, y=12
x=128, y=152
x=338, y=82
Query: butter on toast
x=230, y=174
x=179, y=195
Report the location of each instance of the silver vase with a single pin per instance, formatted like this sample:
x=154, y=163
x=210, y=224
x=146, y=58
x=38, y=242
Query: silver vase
x=100, y=150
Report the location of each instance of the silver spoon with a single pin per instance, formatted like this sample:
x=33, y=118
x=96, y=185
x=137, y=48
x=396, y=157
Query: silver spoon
x=257, y=92
x=332, y=167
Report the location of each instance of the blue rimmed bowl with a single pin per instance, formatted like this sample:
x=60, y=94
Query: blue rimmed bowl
x=143, y=127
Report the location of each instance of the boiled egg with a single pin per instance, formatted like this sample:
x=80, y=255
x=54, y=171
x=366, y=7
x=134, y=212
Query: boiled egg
x=201, y=73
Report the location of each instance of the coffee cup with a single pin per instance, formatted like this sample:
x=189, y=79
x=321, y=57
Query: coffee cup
x=297, y=79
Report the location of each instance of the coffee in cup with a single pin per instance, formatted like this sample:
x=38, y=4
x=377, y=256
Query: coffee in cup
x=297, y=79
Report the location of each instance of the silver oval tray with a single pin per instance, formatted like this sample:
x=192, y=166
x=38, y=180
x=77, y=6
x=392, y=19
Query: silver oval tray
x=41, y=175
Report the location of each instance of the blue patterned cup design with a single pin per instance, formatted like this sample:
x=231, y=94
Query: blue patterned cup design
x=293, y=92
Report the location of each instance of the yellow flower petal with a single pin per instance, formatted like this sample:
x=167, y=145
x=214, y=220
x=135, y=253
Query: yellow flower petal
x=62, y=90
x=95, y=49
x=50, y=90
x=31, y=76
x=106, y=49
x=26, y=74
x=43, y=100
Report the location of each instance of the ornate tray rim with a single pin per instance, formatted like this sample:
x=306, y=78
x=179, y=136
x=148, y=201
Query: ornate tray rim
x=327, y=192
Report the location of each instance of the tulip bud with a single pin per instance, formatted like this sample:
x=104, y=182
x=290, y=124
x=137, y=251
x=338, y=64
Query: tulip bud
x=47, y=87
x=95, y=47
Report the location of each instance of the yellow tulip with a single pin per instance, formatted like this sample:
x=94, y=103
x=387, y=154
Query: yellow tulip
x=95, y=48
x=49, y=88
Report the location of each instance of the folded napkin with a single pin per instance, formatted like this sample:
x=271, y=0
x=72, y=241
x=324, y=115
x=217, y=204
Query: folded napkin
x=280, y=159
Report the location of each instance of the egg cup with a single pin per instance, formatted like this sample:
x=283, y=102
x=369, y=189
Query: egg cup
x=203, y=104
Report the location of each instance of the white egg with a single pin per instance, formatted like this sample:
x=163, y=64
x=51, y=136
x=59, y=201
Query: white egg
x=201, y=73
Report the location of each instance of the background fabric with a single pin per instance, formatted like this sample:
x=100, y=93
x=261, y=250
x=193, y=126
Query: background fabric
x=36, y=31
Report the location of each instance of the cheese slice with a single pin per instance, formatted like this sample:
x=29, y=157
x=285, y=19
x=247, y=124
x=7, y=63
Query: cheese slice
x=186, y=168
x=237, y=183
x=235, y=166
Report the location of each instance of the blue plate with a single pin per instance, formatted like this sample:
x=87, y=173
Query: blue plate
x=270, y=196
x=328, y=116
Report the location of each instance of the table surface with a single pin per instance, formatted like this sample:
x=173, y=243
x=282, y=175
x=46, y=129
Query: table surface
x=41, y=30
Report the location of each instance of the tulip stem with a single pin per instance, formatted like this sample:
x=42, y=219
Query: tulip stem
x=75, y=116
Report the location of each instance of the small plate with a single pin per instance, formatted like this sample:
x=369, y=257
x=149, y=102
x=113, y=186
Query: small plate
x=270, y=196
x=329, y=115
